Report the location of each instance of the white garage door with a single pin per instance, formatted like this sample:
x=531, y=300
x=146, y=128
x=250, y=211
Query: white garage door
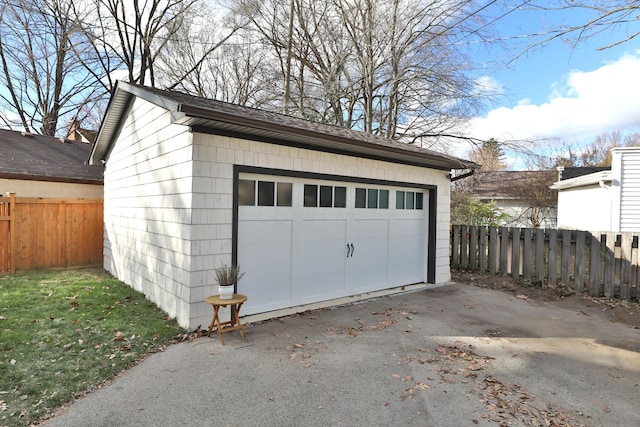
x=302, y=240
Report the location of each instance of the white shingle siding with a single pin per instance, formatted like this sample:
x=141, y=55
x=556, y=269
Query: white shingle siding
x=148, y=194
x=630, y=191
x=169, y=205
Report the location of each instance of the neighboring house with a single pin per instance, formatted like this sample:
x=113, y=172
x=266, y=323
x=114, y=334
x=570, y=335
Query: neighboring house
x=77, y=133
x=310, y=212
x=602, y=199
x=523, y=195
x=44, y=166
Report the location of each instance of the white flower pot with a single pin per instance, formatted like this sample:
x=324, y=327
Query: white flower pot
x=225, y=292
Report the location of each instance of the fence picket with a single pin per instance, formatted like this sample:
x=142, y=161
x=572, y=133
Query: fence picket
x=609, y=264
x=493, y=250
x=504, y=251
x=540, y=261
x=473, y=247
x=625, y=268
x=526, y=254
x=579, y=261
x=482, y=250
x=600, y=263
x=553, y=258
x=515, y=253
x=45, y=233
x=455, y=245
x=464, y=246
x=565, y=259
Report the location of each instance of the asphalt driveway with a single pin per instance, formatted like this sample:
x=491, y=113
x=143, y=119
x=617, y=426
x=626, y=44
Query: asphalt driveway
x=454, y=355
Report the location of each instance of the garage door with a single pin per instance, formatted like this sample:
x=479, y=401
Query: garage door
x=303, y=240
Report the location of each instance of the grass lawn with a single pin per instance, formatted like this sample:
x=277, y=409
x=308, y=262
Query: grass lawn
x=63, y=332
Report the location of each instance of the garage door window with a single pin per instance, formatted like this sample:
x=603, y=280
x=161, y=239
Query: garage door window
x=409, y=200
x=269, y=193
x=325, y=196
x=372, y=198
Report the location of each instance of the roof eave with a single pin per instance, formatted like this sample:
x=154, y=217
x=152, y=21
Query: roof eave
x=183, y=114
x=583, y=181
x=425, y=158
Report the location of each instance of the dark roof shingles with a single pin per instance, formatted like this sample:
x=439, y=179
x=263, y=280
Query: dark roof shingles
x=295, y=123
x=496, y=184
x=46, y=158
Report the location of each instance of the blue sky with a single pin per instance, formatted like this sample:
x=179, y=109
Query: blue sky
x=558, y=92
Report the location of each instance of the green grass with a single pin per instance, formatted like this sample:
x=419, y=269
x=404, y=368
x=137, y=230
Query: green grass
x=63, y=332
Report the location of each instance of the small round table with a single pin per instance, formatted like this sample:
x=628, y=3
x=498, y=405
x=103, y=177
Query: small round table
x=231, y=325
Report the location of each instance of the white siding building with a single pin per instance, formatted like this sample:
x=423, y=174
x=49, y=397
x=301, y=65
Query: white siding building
x=604, y=200
x=309, y=211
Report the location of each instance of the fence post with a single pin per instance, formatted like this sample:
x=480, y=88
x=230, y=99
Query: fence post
x=540, y=254
x=12, y=233
x=609, y=264
x=553, y=257
x=579, y=263
x=493, y=250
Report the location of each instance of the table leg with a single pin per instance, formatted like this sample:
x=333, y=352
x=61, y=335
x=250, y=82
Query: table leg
x=236, y=315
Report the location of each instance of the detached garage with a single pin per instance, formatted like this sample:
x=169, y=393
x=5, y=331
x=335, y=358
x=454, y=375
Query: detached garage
x=311, y=212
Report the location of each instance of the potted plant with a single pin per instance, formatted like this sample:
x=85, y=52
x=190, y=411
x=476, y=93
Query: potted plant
x=227, y=277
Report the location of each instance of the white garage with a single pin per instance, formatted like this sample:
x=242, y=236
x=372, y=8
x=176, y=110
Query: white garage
x=309, y=211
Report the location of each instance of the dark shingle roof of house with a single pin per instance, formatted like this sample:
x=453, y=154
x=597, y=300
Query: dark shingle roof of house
x=574, y=172
x=209, y=115
x=45, y=158
x=497, y=184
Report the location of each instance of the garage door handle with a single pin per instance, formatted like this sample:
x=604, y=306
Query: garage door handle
x=350, y=249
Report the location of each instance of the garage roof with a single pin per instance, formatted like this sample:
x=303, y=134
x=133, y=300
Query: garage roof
x=44, y=158
x=211, y=116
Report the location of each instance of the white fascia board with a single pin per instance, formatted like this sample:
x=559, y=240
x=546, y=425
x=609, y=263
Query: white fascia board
x=581, y=181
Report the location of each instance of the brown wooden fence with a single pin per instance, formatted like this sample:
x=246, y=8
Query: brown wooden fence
x=48, y=233
x=600, y=263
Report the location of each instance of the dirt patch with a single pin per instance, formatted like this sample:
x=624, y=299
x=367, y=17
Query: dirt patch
x=626, y=312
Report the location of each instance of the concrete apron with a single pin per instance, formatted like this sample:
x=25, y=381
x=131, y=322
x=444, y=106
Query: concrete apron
x=337, y=302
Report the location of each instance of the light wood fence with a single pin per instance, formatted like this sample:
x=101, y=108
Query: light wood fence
x=597, y=263
x=49, y=233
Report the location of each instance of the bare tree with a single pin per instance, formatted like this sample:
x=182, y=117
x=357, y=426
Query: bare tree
x=611, y=16
x=532, y=187
x=388, y=67
x=44, y=81
x=208, y=57
x=128, y=36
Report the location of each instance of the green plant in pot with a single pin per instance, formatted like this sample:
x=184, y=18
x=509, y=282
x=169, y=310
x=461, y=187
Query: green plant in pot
x=227, y=277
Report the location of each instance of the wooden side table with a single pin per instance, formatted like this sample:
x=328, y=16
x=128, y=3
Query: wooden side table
x=231, y=325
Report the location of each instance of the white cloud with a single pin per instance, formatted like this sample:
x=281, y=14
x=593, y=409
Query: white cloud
x=586, y=103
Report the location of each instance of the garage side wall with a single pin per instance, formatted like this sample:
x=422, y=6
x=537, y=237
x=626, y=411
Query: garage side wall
x=147, y=208
x=214, y=158
x=573, y=203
